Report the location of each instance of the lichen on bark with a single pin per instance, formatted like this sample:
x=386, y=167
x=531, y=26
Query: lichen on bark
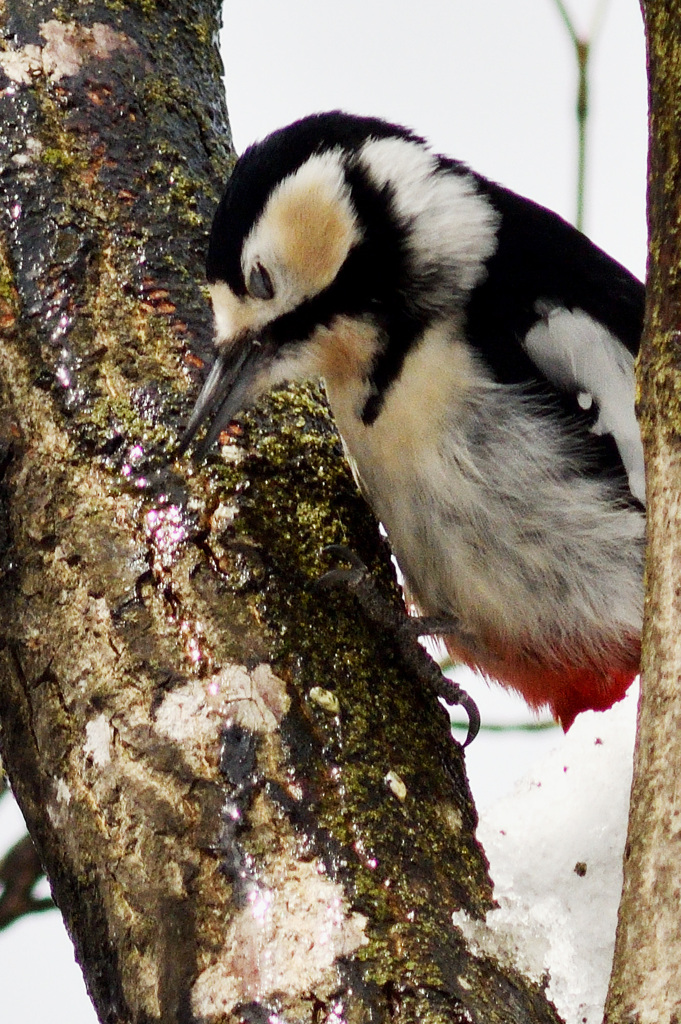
x=163, y=644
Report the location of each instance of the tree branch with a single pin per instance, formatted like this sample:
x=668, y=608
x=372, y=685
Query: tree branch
x=246, y=807
x=645, y=983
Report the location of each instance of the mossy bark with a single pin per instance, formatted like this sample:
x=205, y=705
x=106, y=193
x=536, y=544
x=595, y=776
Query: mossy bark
x=646, y=982
x=198, y=740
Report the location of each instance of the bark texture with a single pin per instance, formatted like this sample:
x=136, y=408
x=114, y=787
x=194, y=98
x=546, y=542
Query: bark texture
x=247, y=810
x=646, y=983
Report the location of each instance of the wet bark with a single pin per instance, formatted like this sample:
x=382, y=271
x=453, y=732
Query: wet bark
x=646, y=984
x=247, y=809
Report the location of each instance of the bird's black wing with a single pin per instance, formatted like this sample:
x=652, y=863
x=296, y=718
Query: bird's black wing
x=560, y=318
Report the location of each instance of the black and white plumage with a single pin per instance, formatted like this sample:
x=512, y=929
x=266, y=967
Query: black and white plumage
x=478, y=355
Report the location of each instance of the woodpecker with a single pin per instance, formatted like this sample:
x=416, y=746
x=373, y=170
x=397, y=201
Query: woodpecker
x=478, y=357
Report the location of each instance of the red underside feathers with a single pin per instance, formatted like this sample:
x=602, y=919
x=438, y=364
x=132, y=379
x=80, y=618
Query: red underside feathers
x=568, y=688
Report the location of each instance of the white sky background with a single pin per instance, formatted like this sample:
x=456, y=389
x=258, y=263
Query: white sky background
x=491, y=82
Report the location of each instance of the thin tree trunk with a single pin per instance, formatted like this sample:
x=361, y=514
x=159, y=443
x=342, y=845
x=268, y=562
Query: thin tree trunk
x=646, y=982
x=247, y=809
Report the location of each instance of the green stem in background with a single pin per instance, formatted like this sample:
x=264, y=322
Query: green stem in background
x=462, y=727
x=583, y=47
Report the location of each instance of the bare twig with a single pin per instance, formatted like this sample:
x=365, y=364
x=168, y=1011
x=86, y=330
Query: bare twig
x=563, y=11
x=583, y=46
x=20, y=870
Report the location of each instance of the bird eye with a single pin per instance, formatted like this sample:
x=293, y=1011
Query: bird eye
x=260, y=283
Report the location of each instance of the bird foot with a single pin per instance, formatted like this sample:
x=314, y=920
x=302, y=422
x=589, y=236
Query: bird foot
x=406, y=629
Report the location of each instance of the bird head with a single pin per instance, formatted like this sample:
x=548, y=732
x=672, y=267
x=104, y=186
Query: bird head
x=338, y=239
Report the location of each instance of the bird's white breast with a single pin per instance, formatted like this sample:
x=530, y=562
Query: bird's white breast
x=468, y=481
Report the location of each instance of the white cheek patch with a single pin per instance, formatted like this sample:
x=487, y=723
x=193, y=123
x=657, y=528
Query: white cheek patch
x=305, y=232
x=233, y=314
x=577, y=353
x=301, y=239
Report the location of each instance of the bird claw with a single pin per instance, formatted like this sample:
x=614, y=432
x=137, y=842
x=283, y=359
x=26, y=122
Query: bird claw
x=346, y=553
x=337, y=578
x=405, y=628
x=342, y=577
x=456, y=695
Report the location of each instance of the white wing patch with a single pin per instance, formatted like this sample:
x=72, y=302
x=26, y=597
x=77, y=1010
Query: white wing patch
x=576, y=352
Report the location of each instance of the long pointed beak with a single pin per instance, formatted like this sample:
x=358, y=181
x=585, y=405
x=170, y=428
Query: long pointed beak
x=228, y=388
